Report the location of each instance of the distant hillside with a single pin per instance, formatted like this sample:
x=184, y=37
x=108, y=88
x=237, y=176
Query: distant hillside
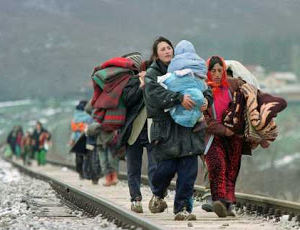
x=49, y=47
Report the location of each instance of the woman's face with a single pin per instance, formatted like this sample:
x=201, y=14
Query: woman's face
x=164, y=52
x=216, y=73
x=38, y=127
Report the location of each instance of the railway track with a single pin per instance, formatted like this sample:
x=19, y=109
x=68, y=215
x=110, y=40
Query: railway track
x=90, y=204
x=260, y=207
x=252, y=204
x=29, y=203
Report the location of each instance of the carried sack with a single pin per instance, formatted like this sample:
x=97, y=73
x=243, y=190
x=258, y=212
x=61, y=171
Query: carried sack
x=251, y=134
x=7, y=151
x=233, y=117
x=109, y=82
x=110, y=119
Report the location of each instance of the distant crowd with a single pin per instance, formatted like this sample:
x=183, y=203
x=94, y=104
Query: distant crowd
x=29, y=146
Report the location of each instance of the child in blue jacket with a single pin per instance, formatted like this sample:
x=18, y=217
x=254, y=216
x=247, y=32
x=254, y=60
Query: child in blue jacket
x=186, y=74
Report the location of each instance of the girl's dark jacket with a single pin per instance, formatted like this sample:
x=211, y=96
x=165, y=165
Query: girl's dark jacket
x=170, y=140
x=133, y=99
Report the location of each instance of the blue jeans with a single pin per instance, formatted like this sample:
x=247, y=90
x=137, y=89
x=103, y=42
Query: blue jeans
x=186, y=169
x=134, y=158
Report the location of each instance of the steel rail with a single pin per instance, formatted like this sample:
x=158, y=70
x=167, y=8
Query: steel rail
x=251, y=204
x=92, y=205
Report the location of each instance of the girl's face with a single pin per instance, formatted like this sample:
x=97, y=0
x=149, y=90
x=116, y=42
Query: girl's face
x=164, y=52
x=216, y=73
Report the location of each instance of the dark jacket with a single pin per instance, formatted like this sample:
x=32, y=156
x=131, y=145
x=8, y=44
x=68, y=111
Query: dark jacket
x=36, y=136
x=170, y=140
x=133, y=99
x=157, y=98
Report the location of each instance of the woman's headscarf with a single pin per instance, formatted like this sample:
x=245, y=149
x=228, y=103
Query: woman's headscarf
x=224, y=83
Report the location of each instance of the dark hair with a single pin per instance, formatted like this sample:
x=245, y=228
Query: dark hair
x=214, y=60
x=154, y=47
x=229, y=72
x=81, y=105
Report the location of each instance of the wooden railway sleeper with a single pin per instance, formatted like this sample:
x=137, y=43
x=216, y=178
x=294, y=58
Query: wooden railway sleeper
x=259, y=210
x=291, y=216
x=248, y=208
x=271, y=213
x=265, y=211
x=253, y=209
x=277, y=215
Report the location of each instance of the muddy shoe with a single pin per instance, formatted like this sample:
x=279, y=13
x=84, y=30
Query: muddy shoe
x=191, y=216
x=220, y=209
x=136, y=206
x=81, y=177
x=157, y=205
x=184, y=215
x=230, y=212
x=95, y=181
x=207, y=206
x=181, y=215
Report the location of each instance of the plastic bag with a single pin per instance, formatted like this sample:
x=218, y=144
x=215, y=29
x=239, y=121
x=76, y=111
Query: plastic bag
x=7, y=151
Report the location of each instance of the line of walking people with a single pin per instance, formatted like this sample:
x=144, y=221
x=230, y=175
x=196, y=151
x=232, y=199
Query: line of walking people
x=174, y=106
x=29, y=146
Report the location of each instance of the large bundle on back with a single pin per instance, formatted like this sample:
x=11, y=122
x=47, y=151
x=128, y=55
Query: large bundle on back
x=257, y=119
x=109, y=80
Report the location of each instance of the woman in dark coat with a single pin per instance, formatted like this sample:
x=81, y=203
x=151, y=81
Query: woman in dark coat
x=175, y=148
x=133, y=134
